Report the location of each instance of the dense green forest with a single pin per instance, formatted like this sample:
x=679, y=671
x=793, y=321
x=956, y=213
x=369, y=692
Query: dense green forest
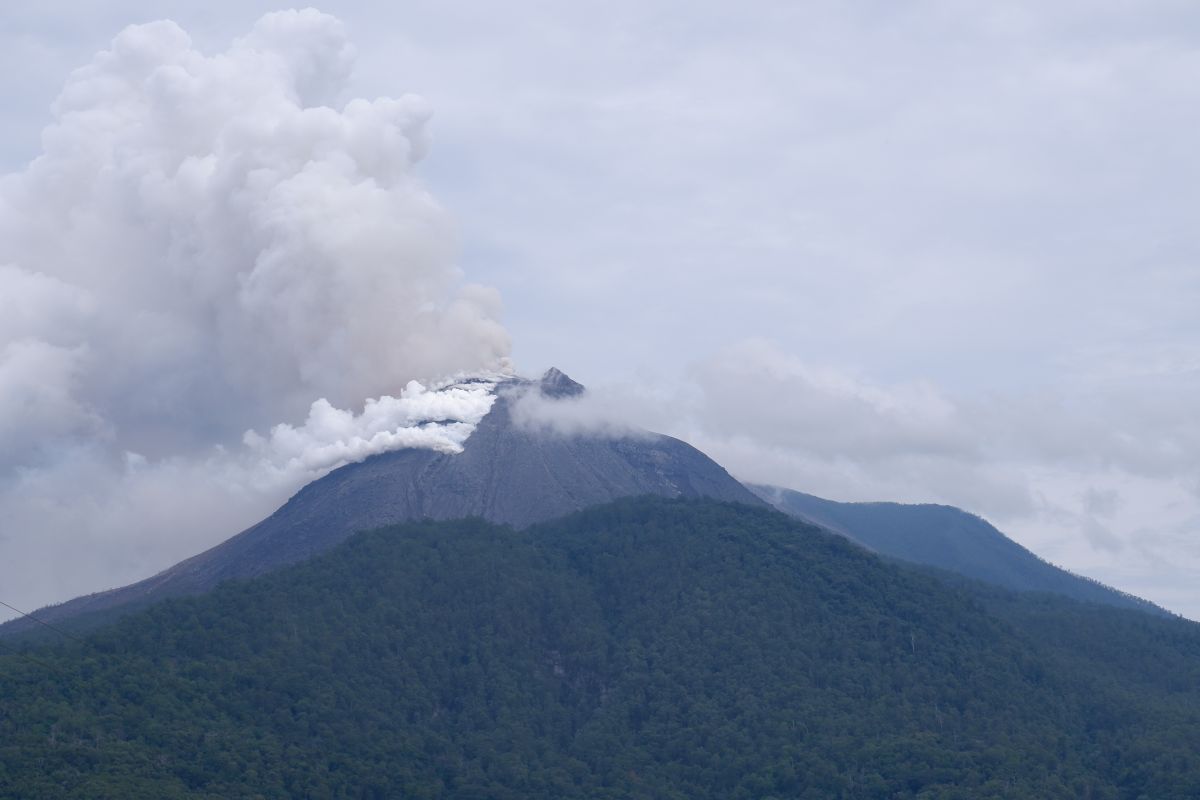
x=644, y=649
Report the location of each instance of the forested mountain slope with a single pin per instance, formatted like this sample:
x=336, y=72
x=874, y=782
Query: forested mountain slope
x=648, y=648
x=947, y=538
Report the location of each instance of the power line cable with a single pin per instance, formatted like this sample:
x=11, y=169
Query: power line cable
x=54, y=628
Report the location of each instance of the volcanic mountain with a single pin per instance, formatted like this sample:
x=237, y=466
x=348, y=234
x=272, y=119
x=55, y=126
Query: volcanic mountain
x=508, y=473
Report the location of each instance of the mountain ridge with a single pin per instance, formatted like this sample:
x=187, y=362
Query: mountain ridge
x=947, y=538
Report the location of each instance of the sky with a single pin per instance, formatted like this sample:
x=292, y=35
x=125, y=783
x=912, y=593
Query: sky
x=924, y=252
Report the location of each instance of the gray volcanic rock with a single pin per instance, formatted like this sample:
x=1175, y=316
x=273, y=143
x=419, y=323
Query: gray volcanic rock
x=506, y=473
x=947, y=538
x=556, y=384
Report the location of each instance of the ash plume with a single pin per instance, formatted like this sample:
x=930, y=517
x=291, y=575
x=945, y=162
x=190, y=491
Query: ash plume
x=210, y=244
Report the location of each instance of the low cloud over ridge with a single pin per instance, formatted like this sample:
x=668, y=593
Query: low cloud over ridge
x=1101, y=479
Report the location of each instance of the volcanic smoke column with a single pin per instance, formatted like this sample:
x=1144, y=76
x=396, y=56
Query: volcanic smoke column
x=206, y=245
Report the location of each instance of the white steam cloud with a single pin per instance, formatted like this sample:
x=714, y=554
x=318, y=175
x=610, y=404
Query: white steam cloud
x=206, y=245
x=440, y=419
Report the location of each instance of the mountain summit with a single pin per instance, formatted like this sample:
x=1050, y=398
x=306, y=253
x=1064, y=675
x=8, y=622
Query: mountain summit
x=508, y=473
x=555, y=383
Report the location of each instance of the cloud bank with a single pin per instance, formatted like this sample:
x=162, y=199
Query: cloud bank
x=209, y=244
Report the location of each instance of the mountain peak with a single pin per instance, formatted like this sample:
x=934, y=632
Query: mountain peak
x=556, y=383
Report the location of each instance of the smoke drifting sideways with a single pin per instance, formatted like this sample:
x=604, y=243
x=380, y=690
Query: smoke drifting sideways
x=599, y=413
x=206, y=245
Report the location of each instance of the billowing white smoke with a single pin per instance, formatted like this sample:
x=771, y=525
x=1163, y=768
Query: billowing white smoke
x=206, y=245
x=439, y=419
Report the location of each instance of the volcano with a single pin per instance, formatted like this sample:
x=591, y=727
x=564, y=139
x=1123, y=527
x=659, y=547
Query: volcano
x=507, y=473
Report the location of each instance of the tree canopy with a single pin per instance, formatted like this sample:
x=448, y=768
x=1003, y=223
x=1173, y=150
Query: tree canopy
x=644, y=649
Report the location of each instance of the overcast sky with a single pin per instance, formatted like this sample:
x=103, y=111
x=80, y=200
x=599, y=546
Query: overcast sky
x=927, y=252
